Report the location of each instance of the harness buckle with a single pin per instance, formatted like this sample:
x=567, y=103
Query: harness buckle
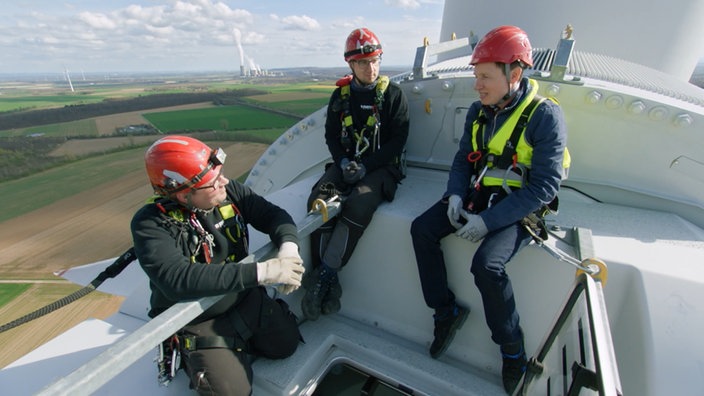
x=189, y=342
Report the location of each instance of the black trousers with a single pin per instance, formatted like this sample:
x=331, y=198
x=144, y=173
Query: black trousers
x=221, y=371
x=335, y=241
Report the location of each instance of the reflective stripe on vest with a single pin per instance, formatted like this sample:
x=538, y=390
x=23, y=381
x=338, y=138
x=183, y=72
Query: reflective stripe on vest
x=524, y=152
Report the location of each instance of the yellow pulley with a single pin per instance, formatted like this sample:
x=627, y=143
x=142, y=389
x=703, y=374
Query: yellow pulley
x=597, y=270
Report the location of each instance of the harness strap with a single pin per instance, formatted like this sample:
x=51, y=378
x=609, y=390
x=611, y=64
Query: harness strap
x=371, y=127
x=193, y=343
x=506, y=159
x=232, y=218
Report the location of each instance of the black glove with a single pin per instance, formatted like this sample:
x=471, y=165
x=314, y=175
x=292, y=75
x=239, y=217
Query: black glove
x=353, y=172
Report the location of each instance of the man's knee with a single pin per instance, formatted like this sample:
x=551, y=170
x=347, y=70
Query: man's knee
x=487, y=266
x=359, y=211
x=426, y=228
x=418, y=227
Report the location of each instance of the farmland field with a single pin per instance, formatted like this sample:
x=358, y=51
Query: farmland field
x=79, y=212
x=223, y=118
x=41, y=101
x=9, y=291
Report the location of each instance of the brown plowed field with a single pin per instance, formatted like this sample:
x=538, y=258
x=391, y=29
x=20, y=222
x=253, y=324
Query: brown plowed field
x=88, y=227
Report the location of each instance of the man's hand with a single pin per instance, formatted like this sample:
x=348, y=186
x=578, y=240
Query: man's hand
x=454, y=206
x=285, y=273
x=353, y=172
x=288, y=250
x=474, y=229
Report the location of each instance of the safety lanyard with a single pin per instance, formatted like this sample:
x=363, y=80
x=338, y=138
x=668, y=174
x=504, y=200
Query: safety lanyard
x=205, y=239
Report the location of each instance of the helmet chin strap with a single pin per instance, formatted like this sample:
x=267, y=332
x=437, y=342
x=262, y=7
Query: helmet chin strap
x=511, y=91
x=504, y=100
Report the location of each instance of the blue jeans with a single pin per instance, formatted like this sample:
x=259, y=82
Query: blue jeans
x=488, y=268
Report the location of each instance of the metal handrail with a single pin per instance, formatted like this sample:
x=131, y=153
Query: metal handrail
x=603, y=378
x=97, y=372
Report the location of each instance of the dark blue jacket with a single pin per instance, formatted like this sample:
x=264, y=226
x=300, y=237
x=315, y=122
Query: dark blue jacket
x=546, y=132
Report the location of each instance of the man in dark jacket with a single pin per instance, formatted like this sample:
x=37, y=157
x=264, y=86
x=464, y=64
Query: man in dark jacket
x=188, y=239
x=509, y=165
x=366, y=131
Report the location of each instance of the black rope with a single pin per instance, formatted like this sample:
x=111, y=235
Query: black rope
x=111, y=271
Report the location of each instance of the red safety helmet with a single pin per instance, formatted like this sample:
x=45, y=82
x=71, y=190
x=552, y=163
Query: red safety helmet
x=362, y=43
x=504, y=44
x=175, y=163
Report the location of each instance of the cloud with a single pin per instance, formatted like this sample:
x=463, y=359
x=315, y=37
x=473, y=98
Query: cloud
x=404, y=4
x=184, y=34
x=303, y=22
x=97, y=21
x=253, y=38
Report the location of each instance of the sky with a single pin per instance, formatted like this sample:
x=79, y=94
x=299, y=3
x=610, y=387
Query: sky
x=39, y=36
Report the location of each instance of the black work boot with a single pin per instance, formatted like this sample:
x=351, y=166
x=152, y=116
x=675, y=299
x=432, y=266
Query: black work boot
x=331, y=301
x=514, y=365
x=445, y=329
x=317, y=286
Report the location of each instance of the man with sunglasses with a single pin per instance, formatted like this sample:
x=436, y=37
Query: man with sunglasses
x=365, y=131
x=189, y=238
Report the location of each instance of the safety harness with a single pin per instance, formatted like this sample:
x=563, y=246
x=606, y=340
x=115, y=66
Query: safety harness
x=202, y=241
x=201, y=244
x=354, y=140
x=503, y=164
x=234, y=227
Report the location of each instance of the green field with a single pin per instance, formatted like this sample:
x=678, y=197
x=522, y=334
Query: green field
x=299, y=106
x=9, y=103
x=324, y=87
x=8, y=291
x=28, y=98
x=250, y=122
x=32, y=192
x=219, y=118
x=74, y=128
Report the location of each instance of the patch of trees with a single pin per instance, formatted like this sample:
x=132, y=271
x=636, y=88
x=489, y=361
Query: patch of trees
x=25, y=119
x=22, y=156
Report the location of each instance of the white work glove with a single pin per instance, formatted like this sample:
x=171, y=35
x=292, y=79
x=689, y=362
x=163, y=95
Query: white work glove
x=281, y=272
x=454, y=206
x=353, y=172
x=474, y=230
x=288, y=250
